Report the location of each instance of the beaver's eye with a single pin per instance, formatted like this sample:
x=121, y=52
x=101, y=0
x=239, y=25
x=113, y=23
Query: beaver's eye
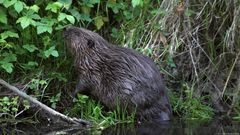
x=90, y=43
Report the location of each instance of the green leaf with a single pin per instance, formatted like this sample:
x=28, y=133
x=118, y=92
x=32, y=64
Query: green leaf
x=137, y=3
x=70, y=19
x=66, y=3
x=35, y=8
x=14, y=109
x=7, y=34
x=3, y=41
x=7, y=67
x=8, y=3
x=61, y=16
x=44, y=28
x=35, y=16
x=3, y=17
x=24, y=21
x=55, y=53
x=59, y=76
x=5, y=99
x=51, y=51
x=30, y=65
x=45, y=25
x=85, y=17
x=18, y=6
x=30, y=48
x=9, y=57
x=42, y=82
x=99, y=22
x=74, y=12
x=54, y=7
x=26, y=104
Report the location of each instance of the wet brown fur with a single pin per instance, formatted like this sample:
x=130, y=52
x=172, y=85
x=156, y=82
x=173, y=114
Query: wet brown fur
x=117, y=76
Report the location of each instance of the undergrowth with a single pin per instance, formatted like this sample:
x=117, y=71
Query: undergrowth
x=87, y=108
x=187, y=106
x=195, y=43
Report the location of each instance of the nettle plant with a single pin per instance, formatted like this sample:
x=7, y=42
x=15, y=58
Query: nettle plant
x=26, y=32
x=30, y=30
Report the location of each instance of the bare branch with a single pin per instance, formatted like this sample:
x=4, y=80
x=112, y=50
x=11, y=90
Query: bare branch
x=43, y=106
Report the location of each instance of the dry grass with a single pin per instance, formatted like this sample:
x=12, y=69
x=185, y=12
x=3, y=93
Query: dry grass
x=202, y=39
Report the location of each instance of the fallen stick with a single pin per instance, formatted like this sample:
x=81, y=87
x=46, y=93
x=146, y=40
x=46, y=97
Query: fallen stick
x=43, y=106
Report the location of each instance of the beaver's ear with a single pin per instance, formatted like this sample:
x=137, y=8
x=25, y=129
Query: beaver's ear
x=90, y=43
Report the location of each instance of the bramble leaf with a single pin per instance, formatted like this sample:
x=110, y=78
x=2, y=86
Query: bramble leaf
x=7, y=34
x=54, y=7
x=7, y=66
x=51, y=51
x=6, y=62
x=70, y=19
x=44, y=28
x=55, y=53
x=8, y=3
x=24, y=21
x=35, y=8
x=45, y=25
x=61, y=16
x=18, y=6
x=30, y=48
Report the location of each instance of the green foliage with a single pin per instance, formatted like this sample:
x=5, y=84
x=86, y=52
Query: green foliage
x=190, y=107
x=89, y=109
x=38, y=87
x=54, y=100
x=54, y=7
x=6, y=62
x=137, y=2
x=37, y=27
x=9, y=107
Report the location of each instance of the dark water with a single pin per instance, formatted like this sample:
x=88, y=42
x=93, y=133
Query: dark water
x=175, y=127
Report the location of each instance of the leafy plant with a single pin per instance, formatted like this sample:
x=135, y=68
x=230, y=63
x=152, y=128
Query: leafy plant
x=190, y=107
x=8, y=106
x=89, y=109
x=54, y=100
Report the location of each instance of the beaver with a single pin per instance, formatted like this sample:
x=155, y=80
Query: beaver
x=117, y=76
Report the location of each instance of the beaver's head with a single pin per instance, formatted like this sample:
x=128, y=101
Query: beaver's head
x=80, y=40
